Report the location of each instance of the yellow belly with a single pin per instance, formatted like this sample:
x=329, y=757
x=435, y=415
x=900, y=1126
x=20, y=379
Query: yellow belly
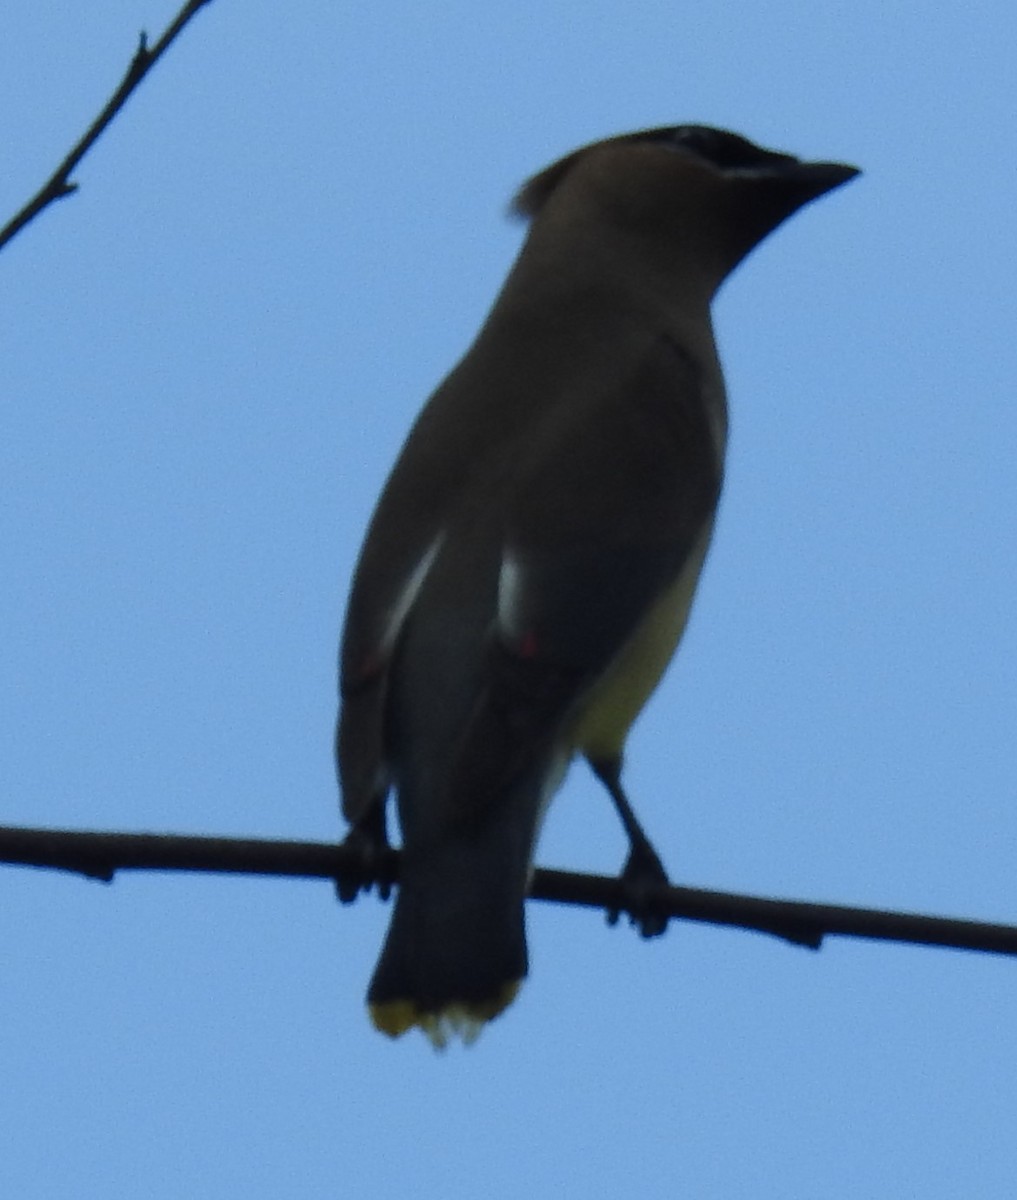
x=619, y=695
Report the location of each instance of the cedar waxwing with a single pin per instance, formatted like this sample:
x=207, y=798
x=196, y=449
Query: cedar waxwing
x=530, y=565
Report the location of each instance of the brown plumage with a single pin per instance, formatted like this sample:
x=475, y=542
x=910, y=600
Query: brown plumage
x=530, y=564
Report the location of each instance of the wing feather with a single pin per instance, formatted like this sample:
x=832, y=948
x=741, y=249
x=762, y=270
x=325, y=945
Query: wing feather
x=606, y=511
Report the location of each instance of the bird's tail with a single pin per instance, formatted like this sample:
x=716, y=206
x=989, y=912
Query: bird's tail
x=455, y=953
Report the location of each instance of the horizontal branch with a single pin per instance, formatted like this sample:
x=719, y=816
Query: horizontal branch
x=101, y=855
x=59, y=183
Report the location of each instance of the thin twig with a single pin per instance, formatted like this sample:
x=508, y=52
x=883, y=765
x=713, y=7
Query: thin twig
x=101, y=855
x=60, y=184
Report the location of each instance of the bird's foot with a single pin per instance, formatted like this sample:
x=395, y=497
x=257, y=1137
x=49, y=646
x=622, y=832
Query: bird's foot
x=642, y=875
x=369, y=842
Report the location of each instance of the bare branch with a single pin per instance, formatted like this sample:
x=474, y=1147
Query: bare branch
x=60, y=184
x=101, y=855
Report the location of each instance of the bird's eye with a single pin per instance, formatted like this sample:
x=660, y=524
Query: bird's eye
x=693, y=137
x=725, y=150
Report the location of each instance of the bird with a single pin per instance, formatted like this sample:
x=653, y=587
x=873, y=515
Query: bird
x=530, y=564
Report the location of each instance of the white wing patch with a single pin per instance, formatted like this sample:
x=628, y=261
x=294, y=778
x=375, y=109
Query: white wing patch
x=404, y=600
x=510, y=588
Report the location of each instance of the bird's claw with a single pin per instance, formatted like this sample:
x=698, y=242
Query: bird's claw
x=361, y=878
x=642, y=875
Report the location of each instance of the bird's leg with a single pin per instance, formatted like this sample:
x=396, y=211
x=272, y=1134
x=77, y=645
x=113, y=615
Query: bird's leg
x=643, y=871
x=369, y=838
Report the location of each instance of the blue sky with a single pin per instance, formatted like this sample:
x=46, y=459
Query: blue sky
x=208, y=359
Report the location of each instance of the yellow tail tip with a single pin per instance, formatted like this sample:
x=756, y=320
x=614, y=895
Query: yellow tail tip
x=457, y=1020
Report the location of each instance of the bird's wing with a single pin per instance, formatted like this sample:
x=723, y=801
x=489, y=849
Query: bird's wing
x=608, y=507
x=404, y=537
x=371, y=632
